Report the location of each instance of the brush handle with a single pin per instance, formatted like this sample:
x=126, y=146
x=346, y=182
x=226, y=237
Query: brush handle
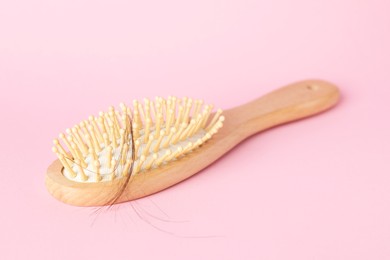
x=289, y=103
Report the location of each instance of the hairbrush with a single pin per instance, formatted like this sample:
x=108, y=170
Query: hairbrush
x=129, y=153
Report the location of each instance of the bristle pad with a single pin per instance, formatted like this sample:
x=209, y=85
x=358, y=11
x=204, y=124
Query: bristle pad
x=100, y=148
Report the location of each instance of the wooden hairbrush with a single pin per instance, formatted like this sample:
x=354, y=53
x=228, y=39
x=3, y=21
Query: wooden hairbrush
x=132, y=153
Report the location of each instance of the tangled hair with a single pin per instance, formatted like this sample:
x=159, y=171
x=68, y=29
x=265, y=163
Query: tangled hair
x=124, y=182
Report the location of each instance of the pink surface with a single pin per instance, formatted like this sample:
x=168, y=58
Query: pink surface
x=315, y=189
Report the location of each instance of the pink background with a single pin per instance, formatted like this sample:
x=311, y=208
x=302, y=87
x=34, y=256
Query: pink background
x=315, y=189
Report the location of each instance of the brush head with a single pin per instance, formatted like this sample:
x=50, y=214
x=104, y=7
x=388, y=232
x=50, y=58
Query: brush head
x=124, y=142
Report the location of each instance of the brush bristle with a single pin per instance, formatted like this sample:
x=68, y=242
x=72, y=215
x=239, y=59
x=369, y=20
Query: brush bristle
x=100, y=148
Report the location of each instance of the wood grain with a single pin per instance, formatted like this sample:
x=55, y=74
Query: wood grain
x=293, y=102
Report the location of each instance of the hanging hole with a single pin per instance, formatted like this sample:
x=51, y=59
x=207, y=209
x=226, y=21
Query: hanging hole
x=312, y=87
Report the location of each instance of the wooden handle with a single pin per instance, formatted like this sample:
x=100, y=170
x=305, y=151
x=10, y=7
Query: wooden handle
x=293, y=102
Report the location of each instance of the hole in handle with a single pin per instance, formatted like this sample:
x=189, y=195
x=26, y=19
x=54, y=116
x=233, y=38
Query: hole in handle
x=312, y=87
